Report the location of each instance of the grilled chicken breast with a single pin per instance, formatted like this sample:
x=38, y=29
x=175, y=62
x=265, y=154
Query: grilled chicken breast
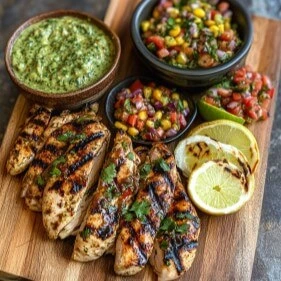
x=177, y=240
x=29, y=140
x=55, y=146
x=141, y=222
x=118, y=184
x=72, y=175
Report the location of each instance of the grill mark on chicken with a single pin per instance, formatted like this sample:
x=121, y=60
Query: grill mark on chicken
x=157, y=203
x=82, y=161
x=38, y=122
x=80, y=145
x=28, y=136
x=173, y=254
x=51, y=148
x=40, y=163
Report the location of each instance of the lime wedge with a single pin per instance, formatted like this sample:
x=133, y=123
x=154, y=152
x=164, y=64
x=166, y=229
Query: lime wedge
x=232, y=133
x=219, y=188
x=210, y=113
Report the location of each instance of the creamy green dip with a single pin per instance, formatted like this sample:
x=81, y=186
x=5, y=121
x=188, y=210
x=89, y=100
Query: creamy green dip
x=63, y=54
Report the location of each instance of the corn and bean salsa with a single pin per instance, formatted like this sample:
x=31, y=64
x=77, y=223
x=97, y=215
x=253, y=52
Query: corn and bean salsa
x=244, y=93
x=191, y=33
x=150, y=112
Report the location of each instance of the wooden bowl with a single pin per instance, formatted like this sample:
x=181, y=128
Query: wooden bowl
x=71, y=99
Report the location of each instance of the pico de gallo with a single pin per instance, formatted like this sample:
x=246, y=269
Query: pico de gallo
x=244, y=93
x=150, y=112
x=191, y=34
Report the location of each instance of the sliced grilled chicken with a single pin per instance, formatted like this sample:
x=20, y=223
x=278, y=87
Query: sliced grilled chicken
x=72, y=175
x=55, y=146
x=29, y=140
x=118, y=184
x=141, y=222
x=177, y=240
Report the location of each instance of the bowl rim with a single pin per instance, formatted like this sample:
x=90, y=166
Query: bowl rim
x=126, y=82
x=55, y=14
x=197, y=73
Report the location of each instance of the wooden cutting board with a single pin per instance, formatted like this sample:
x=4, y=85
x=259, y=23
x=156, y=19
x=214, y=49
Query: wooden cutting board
x=227, y=244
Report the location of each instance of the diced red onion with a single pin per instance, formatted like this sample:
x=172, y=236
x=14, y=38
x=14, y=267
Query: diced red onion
x=139, y=105
x=136, y=92
x=193, y=28
x=232, y=105
x=213, y=92
x=158, y=105
x=150, y=110
x=232, y=45
x=171, y=106
x=185, y=112
x=220, y=54
x=171, y=132
x=124, y=93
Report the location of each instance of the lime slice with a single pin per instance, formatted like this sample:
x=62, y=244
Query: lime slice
x=210, y=113
x=194, y=151
x=232, y=133
x=218, y=188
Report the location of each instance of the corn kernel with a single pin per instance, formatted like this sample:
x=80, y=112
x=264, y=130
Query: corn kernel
x=178, y=20
x=195, y=35
x=179, y=40
x=158, y=114
x=175, y=31
x=181, y=58
x=133, y=131
x=175, y=96
x=170, y=41
x=166, y=124
x=147, y=91
x=156, y=14
x=175, y=127
x=197, y=20
x=215, y=30
x=121, y=126
x=145, y=25
x=185, y=104
x=218, y=19
x=221, y=28
x=142, y=115
x=210, y=22
x=157, y=94
x=174, y=12
x=187, y=8
x=226, y=26
x=149, y=124
x=200, y=13
x=164, y=100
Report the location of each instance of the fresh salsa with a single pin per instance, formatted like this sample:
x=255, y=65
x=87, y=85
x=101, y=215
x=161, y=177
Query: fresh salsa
x=244, y=93
x=191, y=33
x=62, y=54
x=150, y=112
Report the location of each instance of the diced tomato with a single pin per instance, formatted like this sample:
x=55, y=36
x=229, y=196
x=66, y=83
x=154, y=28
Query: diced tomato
x=126, y=193
x=266, y=81
x=160, y=132
x=227, y=35
x=137, y=99
x=257, y=85
x=173, y=117
x=136, y=85
x=265, y=114
x=236, y=96
x=224, y=92
x=223, y=7
x=225, y=101
x=140, y=124
x=176, y=48
x=236, y=110
x=157, y=40
x=249, y=101
x=252, y=114
x=265, y=104
x=132, y=119
x=213, y=13
x=162, y=53
x=271, y=92
x=210, y=100
x=119, y=103
x=182, y=121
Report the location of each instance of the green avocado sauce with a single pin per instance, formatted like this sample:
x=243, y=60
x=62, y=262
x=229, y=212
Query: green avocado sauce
x=63, y=54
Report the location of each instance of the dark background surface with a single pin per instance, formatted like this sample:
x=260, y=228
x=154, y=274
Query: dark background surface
x=267, y=265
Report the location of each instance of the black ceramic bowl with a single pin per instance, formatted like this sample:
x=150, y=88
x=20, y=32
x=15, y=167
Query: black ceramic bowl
x=192, y=77
x=109, y=106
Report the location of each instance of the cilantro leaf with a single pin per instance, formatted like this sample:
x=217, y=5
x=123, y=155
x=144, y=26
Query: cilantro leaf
x=183, y=228
x=138, y=210
x=66, y=136
x=40, y=181
x=180, y=106
x=161, y=166
x=131, y=156
x=184, y=216
x=127, y=105
x=54, y=172
x=167, y=225
x=108, y=173
x=111, y=192
x=59, y=160
x=85, y=233
x=164, y=245
x=145, y=170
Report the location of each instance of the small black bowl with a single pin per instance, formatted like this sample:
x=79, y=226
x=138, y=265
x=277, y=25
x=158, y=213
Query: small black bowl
x=110, y=100
x=192, y=77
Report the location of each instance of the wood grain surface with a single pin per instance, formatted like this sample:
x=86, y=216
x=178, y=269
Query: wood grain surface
x=227, y=244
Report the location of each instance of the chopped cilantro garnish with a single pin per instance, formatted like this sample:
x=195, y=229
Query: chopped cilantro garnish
x=127, y=105
x=164, y=245
x=182, y=228
x=170, y=22
x=55, y=172
x=184, y=216
x=138, y=210
x=40, y=181
x=169, y=225
x=108, y=173
x=59, y=160
x=145, y=170
x=180, y=106
x=111, y=192
x=131, y=156
x=161, y=165
x=66, y=136
x=85, y=233
x=84, y=118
